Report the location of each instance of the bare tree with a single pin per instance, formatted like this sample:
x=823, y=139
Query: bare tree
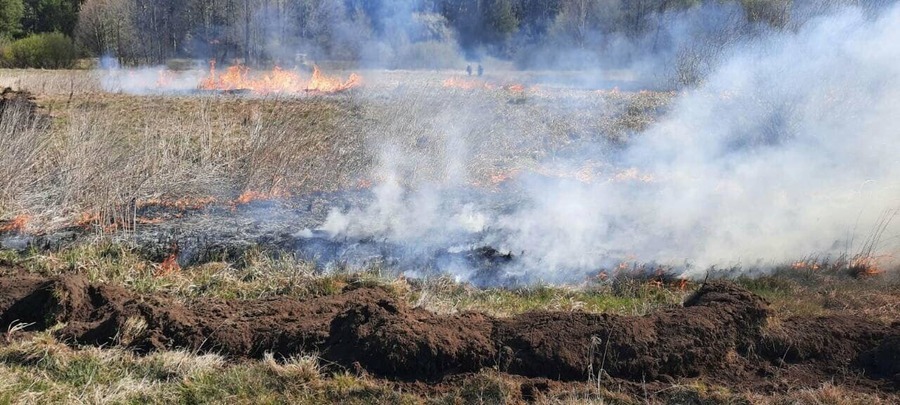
x=105, y=28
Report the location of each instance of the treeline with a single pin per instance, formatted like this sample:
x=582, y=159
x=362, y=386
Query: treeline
x=37, y=33
x=391, y=33
x=381, y=32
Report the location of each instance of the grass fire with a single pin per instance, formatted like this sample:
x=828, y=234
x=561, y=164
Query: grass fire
x=276, y=81
x=450, y=202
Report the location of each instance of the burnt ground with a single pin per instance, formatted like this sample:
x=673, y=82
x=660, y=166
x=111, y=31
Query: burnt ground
x=722, y=334
x=225, y=232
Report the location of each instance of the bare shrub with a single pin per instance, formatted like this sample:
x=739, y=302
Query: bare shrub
x=23, y=139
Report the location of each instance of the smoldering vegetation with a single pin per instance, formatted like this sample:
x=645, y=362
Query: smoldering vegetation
x=771, y=154
x=141, y=160
x=778, y=153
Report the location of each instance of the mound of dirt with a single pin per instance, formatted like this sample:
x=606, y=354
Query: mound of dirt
x=392, y=340
x=697, y=339
x=26, y=300
x=21, y=100
x=721, y=333
x=830, y=340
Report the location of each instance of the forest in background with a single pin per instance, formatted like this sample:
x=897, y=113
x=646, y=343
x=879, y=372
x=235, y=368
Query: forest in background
x=390, y=33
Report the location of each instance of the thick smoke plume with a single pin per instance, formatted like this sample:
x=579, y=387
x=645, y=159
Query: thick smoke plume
x=787, y=150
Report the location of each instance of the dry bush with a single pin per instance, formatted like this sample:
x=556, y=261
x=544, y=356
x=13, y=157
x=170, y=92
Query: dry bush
x=97, y=168
x=23, y=141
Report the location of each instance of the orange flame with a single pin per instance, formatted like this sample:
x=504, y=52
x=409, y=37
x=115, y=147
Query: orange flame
x=251, y=195
x=149, y=221
x=165, y=78
x=516, y=88
x=806, y=265
x=94, y=220
x=168, y=266
x=633, y=174
x=87, y=220
x=276, y=81
x=588, y=173
x=865, y=266
x=17, y=224
x=325, y=84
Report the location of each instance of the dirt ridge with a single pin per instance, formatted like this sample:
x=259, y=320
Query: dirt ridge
x=722, y=333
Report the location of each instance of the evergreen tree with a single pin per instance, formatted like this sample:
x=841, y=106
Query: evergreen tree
x=50, y=16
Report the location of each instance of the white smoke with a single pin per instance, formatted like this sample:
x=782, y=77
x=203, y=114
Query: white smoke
x=148, y=79
x=787, y=150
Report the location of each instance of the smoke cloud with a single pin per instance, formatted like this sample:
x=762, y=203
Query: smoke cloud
x=786, y=150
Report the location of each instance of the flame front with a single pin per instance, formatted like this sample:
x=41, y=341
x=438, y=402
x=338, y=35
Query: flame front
x=325, y=84
x=276, y=81
x=249, y=196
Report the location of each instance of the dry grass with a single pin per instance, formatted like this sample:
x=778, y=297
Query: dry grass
x=625, y=297
x=22, y=140
x=304, y=368
x=105, y=153
x=827, y=291
x=790, y=292
x=263, y=276
x=259, y=276
x=100, y=159
x=41, y=369
x=51, y=82
x=827, y=394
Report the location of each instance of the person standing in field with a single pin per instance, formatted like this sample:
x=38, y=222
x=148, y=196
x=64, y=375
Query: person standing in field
x=469, y=70
x=480, y=70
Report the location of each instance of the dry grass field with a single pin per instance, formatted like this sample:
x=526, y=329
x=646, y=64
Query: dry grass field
x=90, y=159
x=99, y=152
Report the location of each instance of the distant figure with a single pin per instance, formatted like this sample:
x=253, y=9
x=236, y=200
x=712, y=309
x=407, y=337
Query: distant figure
x=469, y=70
x=480, y=70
